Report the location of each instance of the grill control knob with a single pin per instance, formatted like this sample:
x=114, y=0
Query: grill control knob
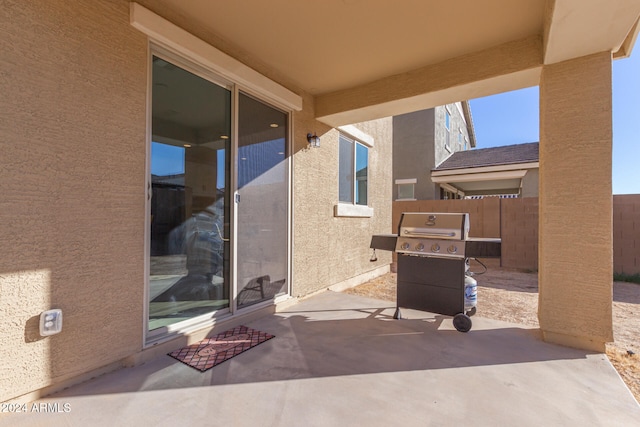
x=405, y=246
x=420, y=247
x=452, y=249
x=435, y=247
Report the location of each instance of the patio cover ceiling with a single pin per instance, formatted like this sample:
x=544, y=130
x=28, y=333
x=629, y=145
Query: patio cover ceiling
x=365, y=59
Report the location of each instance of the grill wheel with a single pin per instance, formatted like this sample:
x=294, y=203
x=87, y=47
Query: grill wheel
x=462, y=322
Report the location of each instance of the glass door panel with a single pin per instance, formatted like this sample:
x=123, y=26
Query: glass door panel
x=190, y=184
x=262, y=209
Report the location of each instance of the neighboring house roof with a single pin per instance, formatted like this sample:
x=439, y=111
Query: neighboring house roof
x=495, y=156
x=488, y=171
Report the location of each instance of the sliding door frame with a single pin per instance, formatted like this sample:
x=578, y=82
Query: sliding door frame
x=154, y=337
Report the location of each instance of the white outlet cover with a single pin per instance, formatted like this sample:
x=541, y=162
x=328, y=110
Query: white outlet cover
x=50, y=322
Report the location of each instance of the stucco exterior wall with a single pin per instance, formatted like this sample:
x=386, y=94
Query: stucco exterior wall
x=413, y=152
x=73, y=165
x=73, y=173
x=327, y=249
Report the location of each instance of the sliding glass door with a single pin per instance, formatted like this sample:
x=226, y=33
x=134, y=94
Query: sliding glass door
x=262, y=225
x=190, y=186
x=202, y=262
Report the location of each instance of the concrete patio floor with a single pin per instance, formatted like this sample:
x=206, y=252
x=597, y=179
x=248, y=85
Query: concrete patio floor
x=341, y=360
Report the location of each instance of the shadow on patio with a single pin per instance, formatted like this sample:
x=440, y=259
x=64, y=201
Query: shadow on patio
x=343, y=360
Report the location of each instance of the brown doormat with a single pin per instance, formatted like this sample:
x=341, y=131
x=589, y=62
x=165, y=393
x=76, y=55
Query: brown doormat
x=210, y=352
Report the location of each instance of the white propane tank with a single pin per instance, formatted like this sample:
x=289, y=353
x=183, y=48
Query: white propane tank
x=470, y=293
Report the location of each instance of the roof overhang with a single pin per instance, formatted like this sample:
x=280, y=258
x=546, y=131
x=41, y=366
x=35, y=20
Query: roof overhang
x=504, y=179
x=485, y=169
x=359, y=60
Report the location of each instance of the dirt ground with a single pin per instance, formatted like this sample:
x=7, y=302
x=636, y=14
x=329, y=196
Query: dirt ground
x=512, y=295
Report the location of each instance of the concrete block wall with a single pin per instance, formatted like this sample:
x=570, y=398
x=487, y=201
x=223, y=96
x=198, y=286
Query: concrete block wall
x=626, y=234
x=519, y=233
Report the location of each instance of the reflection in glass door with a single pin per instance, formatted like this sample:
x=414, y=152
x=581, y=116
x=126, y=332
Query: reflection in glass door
x=190, y=183
x=262, y=209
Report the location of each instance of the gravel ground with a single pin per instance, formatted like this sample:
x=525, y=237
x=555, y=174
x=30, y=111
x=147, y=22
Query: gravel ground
x=512, y=295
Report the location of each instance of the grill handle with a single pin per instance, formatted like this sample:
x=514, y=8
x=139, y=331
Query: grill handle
x=429, y=234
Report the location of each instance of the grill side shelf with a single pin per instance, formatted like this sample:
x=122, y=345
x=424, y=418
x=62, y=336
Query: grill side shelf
x=384, y=242
x=483, y=247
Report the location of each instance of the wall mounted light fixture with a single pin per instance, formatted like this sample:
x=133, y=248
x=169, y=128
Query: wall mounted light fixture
x=314, y=140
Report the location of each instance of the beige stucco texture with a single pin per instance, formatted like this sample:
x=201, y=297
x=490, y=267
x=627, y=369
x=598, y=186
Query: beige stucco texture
x=330, y=249
x=575, y=252
x=74, y=156
x=72, y=212
x=72, y=183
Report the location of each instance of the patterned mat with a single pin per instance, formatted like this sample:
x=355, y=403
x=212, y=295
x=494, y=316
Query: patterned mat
x=210, y=352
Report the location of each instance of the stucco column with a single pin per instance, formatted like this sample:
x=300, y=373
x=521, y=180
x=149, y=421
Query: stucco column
x=575, y=228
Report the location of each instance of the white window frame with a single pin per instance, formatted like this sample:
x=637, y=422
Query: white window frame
x=410, y=181
x=351, y=209
x=447, y=126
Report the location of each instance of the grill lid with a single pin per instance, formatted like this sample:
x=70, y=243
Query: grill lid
x=433, y=234
x=445, y=226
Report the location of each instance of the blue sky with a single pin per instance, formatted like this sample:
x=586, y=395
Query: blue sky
x=513, y=118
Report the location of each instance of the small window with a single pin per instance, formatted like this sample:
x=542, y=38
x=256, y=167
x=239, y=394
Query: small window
x=406, y=191
x=353, y=172
x=406, y=188
x=447, y=125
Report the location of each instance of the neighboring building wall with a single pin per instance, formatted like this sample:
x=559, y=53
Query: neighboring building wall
x=72, y=214
x=420, y=144
x=530, y=184
x=456, y=137
x=413, y=152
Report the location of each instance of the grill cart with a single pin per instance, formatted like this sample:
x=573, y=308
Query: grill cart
x=433, y=264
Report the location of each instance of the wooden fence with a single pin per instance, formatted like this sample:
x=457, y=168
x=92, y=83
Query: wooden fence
x=515, y=221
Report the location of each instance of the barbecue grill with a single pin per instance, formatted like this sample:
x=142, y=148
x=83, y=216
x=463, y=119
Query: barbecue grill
x=433, y=258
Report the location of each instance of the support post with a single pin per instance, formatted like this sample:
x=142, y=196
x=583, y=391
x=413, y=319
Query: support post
x=575, y=222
